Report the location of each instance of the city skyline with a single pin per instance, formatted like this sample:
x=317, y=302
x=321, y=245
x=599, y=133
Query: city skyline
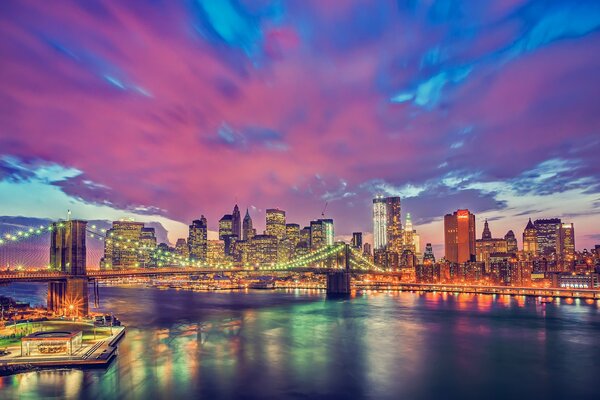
x=455, y=115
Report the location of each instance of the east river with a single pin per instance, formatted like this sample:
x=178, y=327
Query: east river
x=299, y=344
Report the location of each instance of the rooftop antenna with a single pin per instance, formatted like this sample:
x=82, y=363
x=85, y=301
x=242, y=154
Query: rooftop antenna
x=68, y=215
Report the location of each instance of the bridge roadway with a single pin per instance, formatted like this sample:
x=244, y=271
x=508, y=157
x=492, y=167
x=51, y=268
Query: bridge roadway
x=49, y=276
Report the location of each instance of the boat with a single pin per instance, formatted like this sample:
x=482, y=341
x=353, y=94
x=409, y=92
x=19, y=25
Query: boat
x=262, y=285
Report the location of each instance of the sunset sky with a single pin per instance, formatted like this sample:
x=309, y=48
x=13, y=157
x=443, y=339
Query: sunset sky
x=166, y=110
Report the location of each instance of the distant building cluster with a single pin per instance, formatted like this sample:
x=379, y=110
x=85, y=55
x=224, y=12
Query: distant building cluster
x=130, y=245
x=394, y=245
x=547, y=256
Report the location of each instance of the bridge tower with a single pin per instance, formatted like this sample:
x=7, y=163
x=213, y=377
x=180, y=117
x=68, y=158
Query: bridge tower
x=68, y=255
x=338, y=282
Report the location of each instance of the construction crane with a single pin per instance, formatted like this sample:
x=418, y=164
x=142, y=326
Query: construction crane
x=324, y=208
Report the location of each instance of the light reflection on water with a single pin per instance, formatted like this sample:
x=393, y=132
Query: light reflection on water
x=264, y=344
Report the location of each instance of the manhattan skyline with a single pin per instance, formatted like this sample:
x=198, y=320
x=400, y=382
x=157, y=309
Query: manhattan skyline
x=174, y=110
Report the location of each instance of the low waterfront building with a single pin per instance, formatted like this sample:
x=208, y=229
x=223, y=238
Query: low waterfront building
x=51, y=343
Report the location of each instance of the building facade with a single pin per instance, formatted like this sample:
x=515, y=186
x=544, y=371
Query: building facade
x=459, y=236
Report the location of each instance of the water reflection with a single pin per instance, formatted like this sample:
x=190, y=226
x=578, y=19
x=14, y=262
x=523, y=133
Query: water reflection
x=377, y=345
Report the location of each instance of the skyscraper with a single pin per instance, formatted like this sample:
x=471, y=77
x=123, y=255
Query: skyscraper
x=487, y=245
x=248, y=231
x=411, y=239
x=565, y=246
x=225, y=227
x=395, y=234
x=182, y=249
x=292, y=233
x=321, y=233
x=197, y=240
x=121, y=244
x=530, y=243
x=459, y=236
x=236, y=223
x=379, y=223
x=357, y=242
x=146, y=247
x=276, y=223
x=547, y=232
x=387, y=224
x=511, y=242
x=428, y=256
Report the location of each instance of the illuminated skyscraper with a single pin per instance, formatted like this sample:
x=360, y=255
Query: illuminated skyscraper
x=276, y=223
x=566, y=242
x=292, y=233
x=459, y=236
x=547, y=232
x=236, y=223
x=248, y=231
x=530, y=239
x=225, y=226
x=182, y=249
x=410, y=235
x=122, y=244
x=197, y=240
x=147, y=247
x=264, y=250
x=367, y=250
x=428, y=256
x=379, y=223
x=321, y=233
x=395, y=233
x=511, y=242
x=357, y=242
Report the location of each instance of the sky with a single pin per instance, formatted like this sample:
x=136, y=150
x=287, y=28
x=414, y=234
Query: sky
x=167, y=110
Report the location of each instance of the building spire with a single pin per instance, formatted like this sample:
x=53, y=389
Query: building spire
x=486, y=235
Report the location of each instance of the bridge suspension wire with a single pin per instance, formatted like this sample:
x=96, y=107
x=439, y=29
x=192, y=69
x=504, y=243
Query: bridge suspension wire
x=366, y=261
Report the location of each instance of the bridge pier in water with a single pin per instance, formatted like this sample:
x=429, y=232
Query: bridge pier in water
x=69, y=297
x=338, y=282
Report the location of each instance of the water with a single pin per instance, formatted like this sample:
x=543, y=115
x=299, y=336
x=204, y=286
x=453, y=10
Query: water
x=298, y=344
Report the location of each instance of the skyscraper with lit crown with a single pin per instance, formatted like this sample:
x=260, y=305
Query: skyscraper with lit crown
x=379, y=223
x=459, y=236
x=236, y=223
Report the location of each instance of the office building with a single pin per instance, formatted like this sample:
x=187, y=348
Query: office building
x=275, y=223
x=547, y=233
x=459, y=236
x=146, y=248
x=236, y=223
x=248, y=230
x=225, y=226
x=321, y=233
x=357, y=242
x=428, y=256
x=197, y=240
x=565, y=244
x=122, y=244
x=530, y=242
x=182, y=249
x=379, y=223
x=511, y=242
